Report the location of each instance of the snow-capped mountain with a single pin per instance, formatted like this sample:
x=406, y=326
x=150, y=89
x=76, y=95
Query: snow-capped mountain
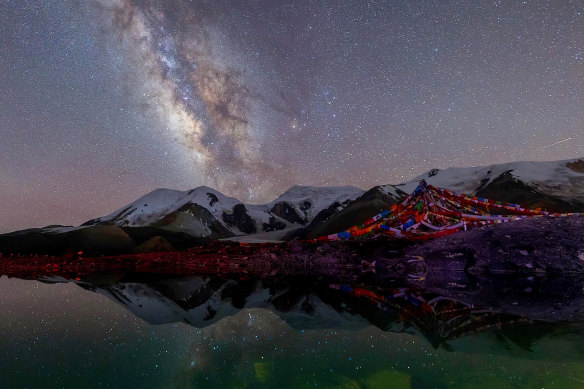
x=302, y=203
x=206, y=212
x=561, y=179
x=555, y=185
x=183, y=217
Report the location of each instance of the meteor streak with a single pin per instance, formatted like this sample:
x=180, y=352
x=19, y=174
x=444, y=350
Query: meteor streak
x=553, y=144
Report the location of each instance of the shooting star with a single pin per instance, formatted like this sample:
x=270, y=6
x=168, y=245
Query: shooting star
x=553, y=144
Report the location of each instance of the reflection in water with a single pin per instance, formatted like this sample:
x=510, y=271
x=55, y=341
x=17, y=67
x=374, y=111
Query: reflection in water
x=305, y=303
x=362, y=329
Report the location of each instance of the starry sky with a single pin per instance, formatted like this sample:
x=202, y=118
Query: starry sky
x=103, y=101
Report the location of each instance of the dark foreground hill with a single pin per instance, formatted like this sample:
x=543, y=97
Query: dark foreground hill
x=95, y=240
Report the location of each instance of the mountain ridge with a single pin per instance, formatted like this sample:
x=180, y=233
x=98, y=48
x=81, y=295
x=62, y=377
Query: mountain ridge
x=204, y=211
x=306, y=212
x=553, y=185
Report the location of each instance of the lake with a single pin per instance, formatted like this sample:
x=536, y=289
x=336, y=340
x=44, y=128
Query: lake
x=293, y=332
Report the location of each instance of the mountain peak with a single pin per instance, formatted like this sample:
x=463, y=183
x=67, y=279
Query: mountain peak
x=203, y=211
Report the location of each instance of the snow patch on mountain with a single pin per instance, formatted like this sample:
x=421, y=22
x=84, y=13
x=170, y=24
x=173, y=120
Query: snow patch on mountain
x=318, y=197
x=397, y=192
x=161, y=202
x=552, y=177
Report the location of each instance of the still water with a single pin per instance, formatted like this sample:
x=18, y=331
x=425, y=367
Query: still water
x=219, y=333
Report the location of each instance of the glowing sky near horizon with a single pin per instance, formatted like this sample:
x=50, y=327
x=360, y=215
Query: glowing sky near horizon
x=103, y=101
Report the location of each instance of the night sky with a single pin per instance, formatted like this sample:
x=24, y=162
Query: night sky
x=104, y=101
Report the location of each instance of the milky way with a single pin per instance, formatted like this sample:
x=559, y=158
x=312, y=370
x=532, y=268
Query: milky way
x=183, y=78
x=103, y=101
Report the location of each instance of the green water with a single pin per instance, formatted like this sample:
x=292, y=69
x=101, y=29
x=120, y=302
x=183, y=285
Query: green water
x=60, y=335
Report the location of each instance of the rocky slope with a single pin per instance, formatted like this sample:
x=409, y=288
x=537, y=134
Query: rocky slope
x=339, y=217
x=515, y=266
x=540, y=245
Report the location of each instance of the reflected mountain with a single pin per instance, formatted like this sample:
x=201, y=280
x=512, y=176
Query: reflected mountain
x=306, y=302
x=441, y=298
